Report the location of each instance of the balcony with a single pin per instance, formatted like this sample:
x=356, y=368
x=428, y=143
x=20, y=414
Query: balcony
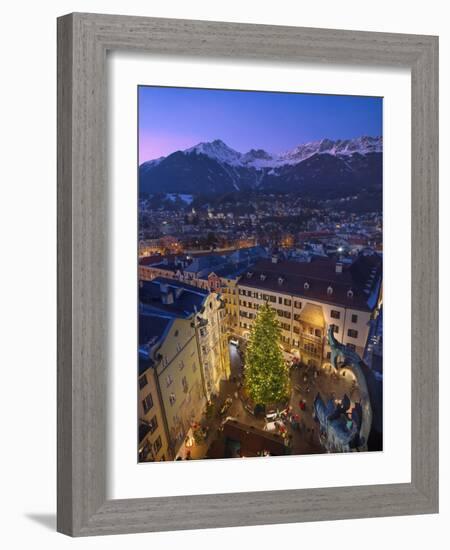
x=307, y=337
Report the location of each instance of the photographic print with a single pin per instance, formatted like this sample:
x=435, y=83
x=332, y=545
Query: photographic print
x=260, y=255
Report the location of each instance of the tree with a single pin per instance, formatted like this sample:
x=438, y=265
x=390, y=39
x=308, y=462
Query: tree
x=266, y=374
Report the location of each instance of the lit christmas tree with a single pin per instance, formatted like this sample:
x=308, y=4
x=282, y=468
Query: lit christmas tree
x=266, y=374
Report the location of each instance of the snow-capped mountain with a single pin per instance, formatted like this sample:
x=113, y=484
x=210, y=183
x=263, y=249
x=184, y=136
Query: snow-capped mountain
x=362, y=145
x=214, y=167
x=258, y=158
x=217, y=150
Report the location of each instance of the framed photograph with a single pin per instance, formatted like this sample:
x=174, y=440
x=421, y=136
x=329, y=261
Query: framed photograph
x=247, y=274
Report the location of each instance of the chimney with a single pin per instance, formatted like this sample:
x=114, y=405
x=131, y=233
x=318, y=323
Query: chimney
x=167, y=297
x=178, y=291
x=338, y=267
x=166, y=293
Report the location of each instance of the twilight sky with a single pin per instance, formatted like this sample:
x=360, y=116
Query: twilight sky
x=172, y=119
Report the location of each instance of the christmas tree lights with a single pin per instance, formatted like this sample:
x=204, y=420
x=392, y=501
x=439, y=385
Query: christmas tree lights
x=266, y=374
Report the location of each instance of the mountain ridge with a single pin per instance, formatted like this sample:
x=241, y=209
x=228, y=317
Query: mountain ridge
x=336, y=167
x=259, y=158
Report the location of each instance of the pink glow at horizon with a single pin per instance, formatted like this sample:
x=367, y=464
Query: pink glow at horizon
x=152, y=147
x=173, y=119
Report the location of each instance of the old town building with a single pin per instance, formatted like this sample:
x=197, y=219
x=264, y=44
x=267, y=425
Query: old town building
x=311, y=296
x=182, y=337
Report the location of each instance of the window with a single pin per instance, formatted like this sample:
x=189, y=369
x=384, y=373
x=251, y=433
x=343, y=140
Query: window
x=272, y=298
x=287, y=302
x=172, y=398
x=310, y=348
x=185, y=384
x=157, y=444
x=280, y=300
x=153, y=424
x=352, y=333
x=354, y=318
x=318, y=333
x=143, y=381
x=169, y=380
x=147, y=403
x=335, y=314
x=335, y=329
x=352, y=347
x=296, y=329
x=298, y=305
x=330, y=290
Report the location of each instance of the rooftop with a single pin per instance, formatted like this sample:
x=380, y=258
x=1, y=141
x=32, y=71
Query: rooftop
x=319, y=280
x=153, y=328
x=175, y=298
x=229, y=271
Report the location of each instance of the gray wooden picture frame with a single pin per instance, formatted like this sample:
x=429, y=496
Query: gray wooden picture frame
x=83, y=42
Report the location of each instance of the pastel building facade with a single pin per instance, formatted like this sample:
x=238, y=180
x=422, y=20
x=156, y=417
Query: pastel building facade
x=309, y=298
x=183, y=350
